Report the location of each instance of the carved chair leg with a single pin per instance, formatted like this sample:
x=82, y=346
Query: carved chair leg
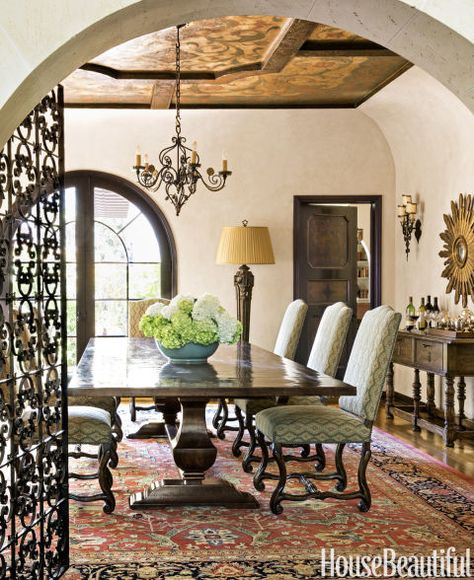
x=225, y=415
x=340, y=469
x=217, y=415
x=261, y=470
x=249, y=455
x=278, y=492
x=133, y=411
x=237, y=444
x=320, y=457
x=117, y=427
x=114, y=460
x=365, y=502
x=105, y=477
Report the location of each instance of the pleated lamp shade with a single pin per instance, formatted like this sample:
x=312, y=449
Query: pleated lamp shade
x=245, y=245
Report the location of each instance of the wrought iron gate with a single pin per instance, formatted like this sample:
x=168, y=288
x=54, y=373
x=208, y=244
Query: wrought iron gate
x=33, y=417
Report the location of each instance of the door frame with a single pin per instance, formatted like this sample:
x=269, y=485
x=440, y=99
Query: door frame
x=375, y=202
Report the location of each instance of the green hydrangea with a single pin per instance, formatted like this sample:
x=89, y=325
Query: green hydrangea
x=185, y=319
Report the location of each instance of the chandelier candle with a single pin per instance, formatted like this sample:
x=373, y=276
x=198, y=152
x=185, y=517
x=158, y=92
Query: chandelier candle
x=180, y=180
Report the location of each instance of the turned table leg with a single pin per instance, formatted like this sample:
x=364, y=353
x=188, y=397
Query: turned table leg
x=461, y=399
x=430, y=394
x=416, y=400
x=389, y=400
x=449, y=432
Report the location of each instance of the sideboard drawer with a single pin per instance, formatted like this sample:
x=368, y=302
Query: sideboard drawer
x=429, y=355
x=404, y=351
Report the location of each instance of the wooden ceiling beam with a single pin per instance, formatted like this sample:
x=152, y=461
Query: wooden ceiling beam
x=291, y=38
x=316, y=48
x=162, y=94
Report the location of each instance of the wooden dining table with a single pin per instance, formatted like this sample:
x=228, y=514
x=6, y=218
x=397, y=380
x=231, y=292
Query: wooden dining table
x=134, y=367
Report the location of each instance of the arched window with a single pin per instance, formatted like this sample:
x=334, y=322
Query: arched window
x=119, y=247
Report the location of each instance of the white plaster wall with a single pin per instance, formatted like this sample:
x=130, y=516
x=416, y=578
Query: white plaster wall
x=430, y=133
x=274, y=155
x=42, y=41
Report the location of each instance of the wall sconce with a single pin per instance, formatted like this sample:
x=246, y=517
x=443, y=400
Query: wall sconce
x=408, y=221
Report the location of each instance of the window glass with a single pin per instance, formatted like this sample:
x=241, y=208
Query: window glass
x=107, y=245
x=111, y=318
x=110, y=281
x=140, y=241
x=144, y=281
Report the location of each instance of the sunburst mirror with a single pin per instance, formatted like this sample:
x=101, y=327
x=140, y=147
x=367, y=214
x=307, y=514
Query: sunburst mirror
x=458, y=249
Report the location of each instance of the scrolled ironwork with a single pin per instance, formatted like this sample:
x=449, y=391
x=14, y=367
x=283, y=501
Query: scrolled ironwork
x=33, y=445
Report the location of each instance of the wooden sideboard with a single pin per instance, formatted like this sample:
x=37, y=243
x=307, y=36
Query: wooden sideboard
x=437, y=355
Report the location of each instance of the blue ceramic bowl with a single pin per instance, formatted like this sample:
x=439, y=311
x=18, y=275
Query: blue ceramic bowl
x=190, y=353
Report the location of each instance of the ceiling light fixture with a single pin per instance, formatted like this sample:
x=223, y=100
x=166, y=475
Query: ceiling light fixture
x=179, y=181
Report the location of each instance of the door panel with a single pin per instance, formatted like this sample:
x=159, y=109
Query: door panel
x=325, y=264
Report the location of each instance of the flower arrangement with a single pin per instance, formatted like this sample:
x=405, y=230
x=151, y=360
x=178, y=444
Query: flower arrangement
x=189, y=320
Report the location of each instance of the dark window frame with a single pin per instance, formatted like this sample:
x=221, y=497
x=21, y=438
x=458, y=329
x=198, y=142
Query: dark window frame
x=85, y=181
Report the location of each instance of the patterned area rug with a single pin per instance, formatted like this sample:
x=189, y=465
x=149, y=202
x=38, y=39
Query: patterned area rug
x=418, y=505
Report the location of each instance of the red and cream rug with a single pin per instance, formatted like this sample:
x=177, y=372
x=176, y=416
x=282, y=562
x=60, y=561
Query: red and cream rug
x=418, y=505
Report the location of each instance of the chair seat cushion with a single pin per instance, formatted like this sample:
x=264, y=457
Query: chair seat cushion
x=298, y=424
x=305, y=400
x=107, y=403
x=88, y=425
x=253, y=406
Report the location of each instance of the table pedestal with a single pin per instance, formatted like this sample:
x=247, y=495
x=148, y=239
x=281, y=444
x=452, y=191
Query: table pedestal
x=193, y=453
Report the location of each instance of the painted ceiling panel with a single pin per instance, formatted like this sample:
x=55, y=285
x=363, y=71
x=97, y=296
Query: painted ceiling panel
x=243, y=61
x=205, y=45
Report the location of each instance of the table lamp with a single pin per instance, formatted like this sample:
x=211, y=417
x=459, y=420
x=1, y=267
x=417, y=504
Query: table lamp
x=244, y=245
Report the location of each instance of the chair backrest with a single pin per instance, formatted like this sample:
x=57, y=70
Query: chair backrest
x=290, y=329
x=136, y=309
x=330, y=339
x=368, y=363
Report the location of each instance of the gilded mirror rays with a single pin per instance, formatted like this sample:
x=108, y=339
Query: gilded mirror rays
x=458, y=249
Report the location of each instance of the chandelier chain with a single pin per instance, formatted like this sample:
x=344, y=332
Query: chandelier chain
x=178, y=82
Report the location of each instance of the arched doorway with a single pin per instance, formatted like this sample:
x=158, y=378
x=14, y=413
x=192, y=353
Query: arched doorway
x=436, y=41
x=119, y=247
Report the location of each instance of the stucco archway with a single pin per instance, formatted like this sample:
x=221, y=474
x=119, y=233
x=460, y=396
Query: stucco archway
x=43, y=42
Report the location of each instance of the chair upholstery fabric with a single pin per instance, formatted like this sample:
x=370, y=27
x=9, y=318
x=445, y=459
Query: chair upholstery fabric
x=301, y=424
x=290, y=329
x=368, y=363
x=106, y=403
x=254, y=406
x=328, y=346
x=88, y=426
x=330, y=339
x=136, y=309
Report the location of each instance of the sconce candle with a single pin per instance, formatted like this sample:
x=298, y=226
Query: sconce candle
x=407, y=216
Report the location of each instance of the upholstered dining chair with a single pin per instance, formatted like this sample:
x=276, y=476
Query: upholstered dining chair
x=92, y=426
x=324, y=357
x=136, y=309
x=285, y=346
x=352, y=422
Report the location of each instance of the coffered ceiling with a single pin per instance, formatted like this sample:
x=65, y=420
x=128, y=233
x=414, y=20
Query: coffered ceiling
x=238, y=62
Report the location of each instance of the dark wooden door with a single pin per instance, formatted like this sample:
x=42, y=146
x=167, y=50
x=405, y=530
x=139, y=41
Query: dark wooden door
x=325, y=264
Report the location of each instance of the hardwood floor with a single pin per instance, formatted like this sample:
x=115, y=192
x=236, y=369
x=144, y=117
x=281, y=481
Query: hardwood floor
x=461, y=456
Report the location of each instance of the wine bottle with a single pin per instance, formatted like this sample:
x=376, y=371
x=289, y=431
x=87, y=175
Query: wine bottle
x=429, y=306
x=429, y=311
x=410, y=314
x=435, y=313
x=421, y=322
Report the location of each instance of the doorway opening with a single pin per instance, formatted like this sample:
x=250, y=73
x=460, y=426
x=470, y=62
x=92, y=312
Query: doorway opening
x=337, y=257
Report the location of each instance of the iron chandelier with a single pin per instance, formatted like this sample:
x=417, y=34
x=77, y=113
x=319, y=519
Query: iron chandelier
x=179, y=181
